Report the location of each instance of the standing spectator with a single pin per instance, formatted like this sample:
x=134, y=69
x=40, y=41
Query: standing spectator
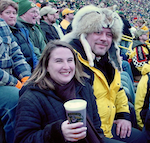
x=68, y=16
x=8, y=11
x=14, y=71
x=27, y=15
x=48, y=18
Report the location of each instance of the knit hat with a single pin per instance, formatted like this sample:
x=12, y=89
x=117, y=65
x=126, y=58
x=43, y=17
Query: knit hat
x=66, y=11
x=140, y=32
x=47, y=9
x=91, y=19
x=24, y=6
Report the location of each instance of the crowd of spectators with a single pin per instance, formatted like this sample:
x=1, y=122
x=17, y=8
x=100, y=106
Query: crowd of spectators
x=36, y=22
x=133, y=9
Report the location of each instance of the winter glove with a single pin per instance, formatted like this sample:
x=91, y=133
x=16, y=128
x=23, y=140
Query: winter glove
x=20, y=84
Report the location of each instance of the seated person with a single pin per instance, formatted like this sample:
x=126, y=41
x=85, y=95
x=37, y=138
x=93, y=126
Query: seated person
x=140, y=54
x=96, y=44
x=48, y=18
x=68, y=16
x=142, y=98
x=14, y=71
x=8, y=12
x=40, y=115
x=27, y=15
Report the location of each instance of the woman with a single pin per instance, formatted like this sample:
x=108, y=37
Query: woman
x=40, y=115
x=8, y=12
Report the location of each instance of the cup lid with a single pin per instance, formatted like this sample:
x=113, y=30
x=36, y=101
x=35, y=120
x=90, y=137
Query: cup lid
x=75, y=104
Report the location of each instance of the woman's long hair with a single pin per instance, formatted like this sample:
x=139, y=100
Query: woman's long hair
x=41, y=77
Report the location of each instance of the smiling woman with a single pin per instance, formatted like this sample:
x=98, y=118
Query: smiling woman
x=41, y=116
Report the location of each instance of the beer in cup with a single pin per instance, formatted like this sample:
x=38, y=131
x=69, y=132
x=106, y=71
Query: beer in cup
x=76, y=111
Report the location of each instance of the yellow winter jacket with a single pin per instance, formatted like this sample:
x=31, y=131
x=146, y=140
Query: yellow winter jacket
x=142, y=96
x=111, y=100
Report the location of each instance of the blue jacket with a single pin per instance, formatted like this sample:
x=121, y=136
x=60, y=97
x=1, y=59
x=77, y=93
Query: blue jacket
x=40, y=114
x=13, y=66
x=21, y=35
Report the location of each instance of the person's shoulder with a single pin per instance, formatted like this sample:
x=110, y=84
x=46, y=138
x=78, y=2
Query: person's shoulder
x=19, y=25
x=3, y=23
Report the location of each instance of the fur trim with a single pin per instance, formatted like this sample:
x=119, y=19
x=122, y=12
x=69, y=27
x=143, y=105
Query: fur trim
x=87, y=49
x=91, y=19
x=114, y=56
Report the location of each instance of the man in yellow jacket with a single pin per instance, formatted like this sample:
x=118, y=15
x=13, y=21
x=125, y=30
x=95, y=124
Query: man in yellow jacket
x=94, y=37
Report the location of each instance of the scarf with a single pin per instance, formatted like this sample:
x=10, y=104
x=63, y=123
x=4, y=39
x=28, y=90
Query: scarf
x=67, y=92
x=104, y=65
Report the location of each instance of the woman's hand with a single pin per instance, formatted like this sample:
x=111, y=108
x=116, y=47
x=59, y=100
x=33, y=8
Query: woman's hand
x=73, y=132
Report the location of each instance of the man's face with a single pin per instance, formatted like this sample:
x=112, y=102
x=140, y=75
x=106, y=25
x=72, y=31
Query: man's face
x=100, y=42
x=51, y=18
x=57, y=15
x=139, y=24
x=71, y=16
x=31, y=15
x=143, y=37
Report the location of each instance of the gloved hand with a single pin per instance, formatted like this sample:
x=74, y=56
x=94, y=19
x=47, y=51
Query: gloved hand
x=24, y=79
x=20, y=84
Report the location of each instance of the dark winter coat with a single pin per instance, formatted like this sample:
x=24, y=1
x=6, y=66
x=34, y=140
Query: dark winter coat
x=22, y=42
x=49, y=31
x=40, y=114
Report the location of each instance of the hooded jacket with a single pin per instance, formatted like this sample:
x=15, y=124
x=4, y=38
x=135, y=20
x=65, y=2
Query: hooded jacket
x=110, y=97
x=36, y=37
x=40, y=114
x=138, y=57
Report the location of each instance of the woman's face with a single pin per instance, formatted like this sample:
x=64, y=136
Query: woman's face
x=9, y=15
x=61, y=65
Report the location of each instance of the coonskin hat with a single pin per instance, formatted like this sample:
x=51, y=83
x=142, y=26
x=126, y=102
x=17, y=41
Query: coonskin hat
x=98, y=18
x=24, y=6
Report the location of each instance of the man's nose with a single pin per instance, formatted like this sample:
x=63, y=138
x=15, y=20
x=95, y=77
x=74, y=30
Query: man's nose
x=103, y=36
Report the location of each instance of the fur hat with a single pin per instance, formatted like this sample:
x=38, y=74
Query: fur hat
x=24, y=6
x=97, y=19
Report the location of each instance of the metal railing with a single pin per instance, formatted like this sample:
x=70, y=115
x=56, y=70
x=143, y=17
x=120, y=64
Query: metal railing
x=129, y=39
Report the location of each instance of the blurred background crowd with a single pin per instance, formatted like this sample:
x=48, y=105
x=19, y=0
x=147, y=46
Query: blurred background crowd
x=132, y=9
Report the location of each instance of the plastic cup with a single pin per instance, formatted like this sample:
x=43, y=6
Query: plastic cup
x=76, y=111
